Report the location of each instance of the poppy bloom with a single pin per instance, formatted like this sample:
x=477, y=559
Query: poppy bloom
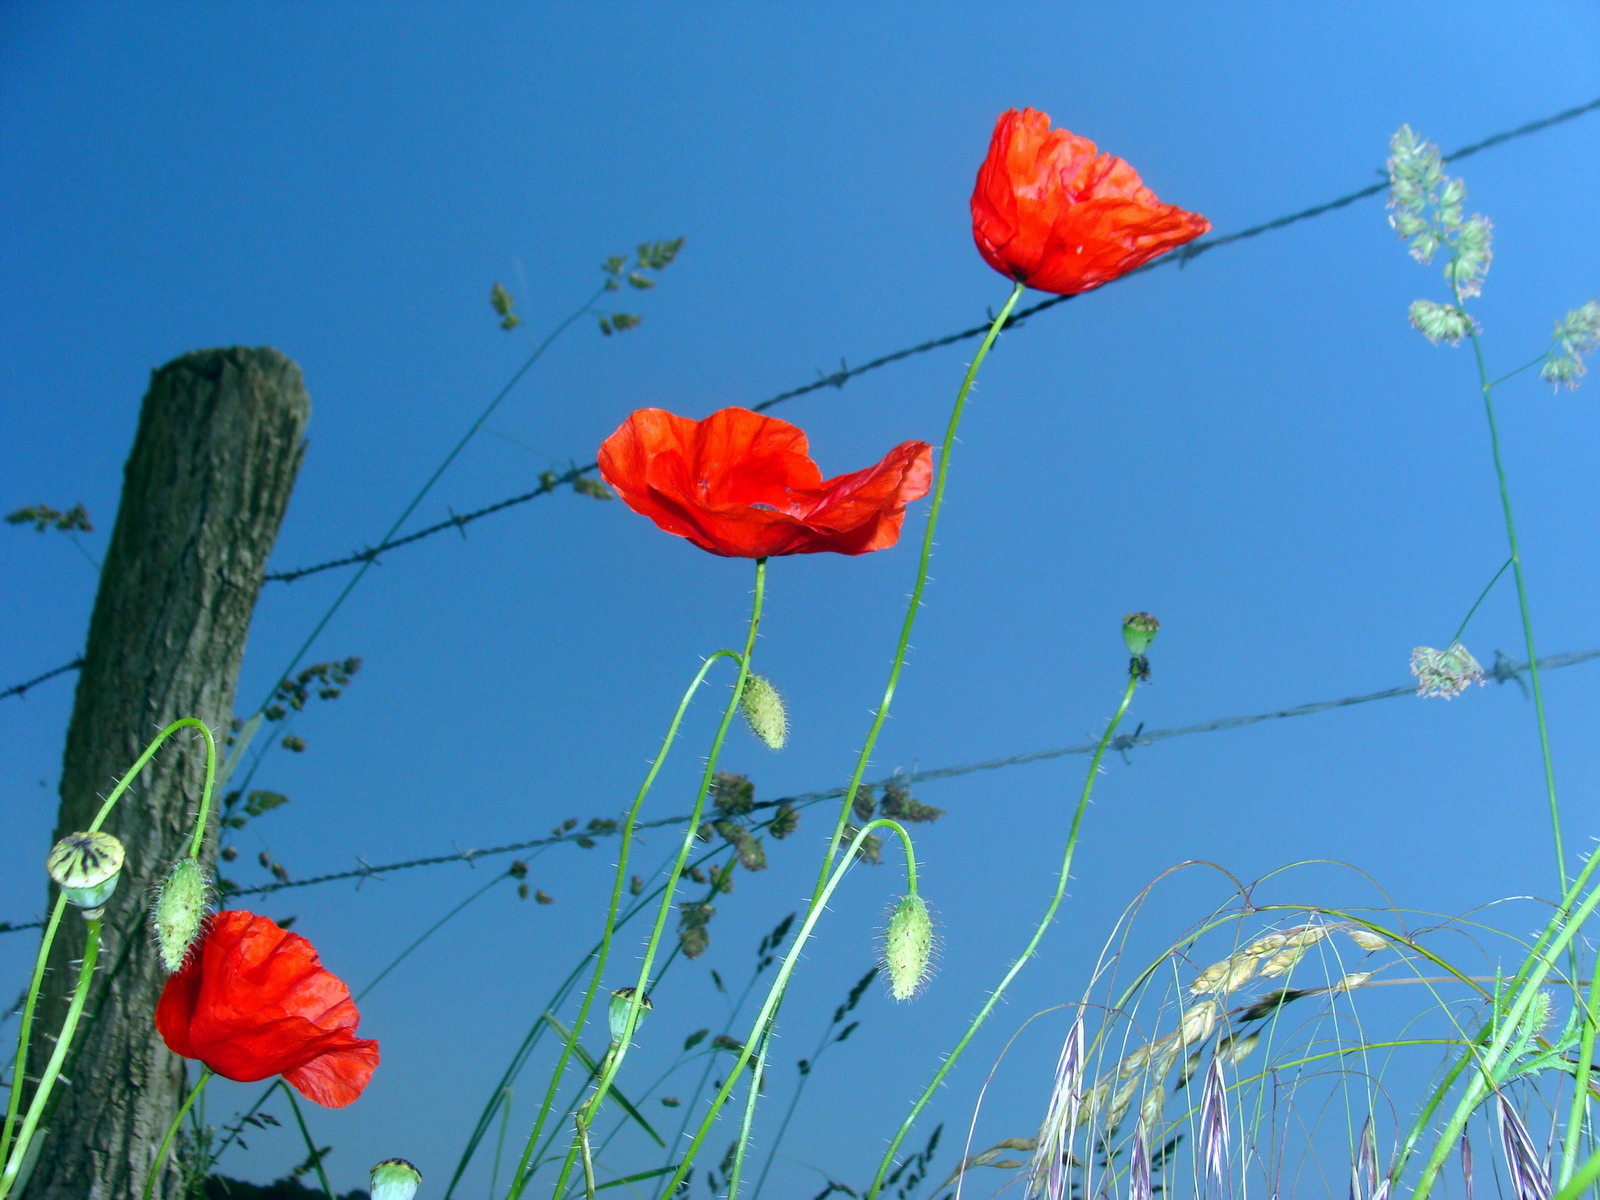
x=1052, y=212
x=254, y=1000
x=743, y=485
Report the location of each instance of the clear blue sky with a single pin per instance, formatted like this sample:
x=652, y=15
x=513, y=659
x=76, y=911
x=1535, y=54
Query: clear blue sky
x=1256, y=448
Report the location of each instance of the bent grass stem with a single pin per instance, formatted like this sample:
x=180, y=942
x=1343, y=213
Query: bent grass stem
x=172, y=1131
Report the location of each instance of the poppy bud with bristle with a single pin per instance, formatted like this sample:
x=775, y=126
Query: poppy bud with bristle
x=764, y=712
x=1138, y=631
x=617, y=1014
x=395, y=1179
x=86, y=866
x=908, y=947
x=179, y=908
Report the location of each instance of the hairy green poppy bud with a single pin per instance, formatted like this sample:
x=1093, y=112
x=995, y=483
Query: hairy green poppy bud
x=179, y=908
x=763, y=711
x=86, y=865
x=1138, y=631
x=617, y=1015
x=908, y=947
x=395, y=1179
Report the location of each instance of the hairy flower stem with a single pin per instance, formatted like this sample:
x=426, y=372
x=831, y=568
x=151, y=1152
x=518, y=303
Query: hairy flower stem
x=956, y=1051
x=613, y=1062
x=52, y=1070
x=769, y=1006
x=879, y=717
x=172, y=1131
x=25, y=1025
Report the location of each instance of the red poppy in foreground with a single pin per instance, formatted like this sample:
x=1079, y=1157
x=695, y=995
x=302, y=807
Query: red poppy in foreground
x=1052, y=212
x=743, y=485
x=253, y=1000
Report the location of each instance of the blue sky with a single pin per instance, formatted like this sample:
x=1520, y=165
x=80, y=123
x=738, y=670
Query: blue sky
x=1255, y=447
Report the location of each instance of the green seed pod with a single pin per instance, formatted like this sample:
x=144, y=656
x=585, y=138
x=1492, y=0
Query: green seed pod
x=86, y=866
x=617, y=1014
x=179, y=908
x=395, y=1179
x=1138, y=631
x=764, y=712
x=908, y=947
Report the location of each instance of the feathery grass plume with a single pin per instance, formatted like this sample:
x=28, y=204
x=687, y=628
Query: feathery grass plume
x=1350, y=981
x=1197, y=1023
x=1440, y=322
x=1366, y=939
x=1426, y=208
x=1269, y=943
x=1053, y=1149
x=1139, y=1187
x=395, y=1179
x=1282, y=962
x=908, y=948
x=1445, y=673
x=1226, y=976
x=764, y=712
x=1236, y=1048
x=1214, y=1134
x=86, y=866
x=1530, y=1175
x=1575, y=334
x=179, y=907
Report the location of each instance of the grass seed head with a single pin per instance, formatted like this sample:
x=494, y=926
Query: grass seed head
x=179, y=908
x=908, y=947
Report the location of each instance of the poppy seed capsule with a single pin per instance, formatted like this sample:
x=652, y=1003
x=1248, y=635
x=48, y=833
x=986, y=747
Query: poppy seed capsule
x=395, y=1179
x=764, y=712
x=908, y=947
x=86, y=866
x=1138, y=631
x=179, y=908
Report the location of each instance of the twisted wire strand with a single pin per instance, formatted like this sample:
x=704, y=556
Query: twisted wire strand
x=1505, y=670
x=839, y=378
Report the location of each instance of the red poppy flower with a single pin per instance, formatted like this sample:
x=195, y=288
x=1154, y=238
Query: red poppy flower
x=1052, y=212
x=743, y=485
x=253, y=1000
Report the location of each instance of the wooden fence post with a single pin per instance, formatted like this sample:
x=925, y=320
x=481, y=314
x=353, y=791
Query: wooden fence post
x=219, y=443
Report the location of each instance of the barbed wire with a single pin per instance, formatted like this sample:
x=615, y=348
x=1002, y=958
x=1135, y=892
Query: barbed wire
x=844, y=374
x=1505, y=670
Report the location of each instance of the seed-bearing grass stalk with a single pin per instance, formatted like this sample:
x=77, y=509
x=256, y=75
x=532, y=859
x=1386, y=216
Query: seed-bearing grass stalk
x=769, y=1005
x=8, y=1152
x=921, y=1102
x=613, y=1063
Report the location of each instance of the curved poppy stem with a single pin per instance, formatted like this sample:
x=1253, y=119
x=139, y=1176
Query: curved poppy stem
x=52, y=1070
x=882, y=714
x=172, y=1131
x=769, y=1007
x=25, y=1024
x=613, y=1061
x=950, y=1059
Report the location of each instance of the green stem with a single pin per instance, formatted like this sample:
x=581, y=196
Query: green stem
x=35, y=985
x=1482, y=596
x=950, y=1059
x=427, y=487
x=172, y=1131
x=641, y=988
x=774, y=995
x=52, y=1070
x=747, y=1120
x=314, y=1154
x=1487, y=389
x=1577, y=1116
x=879, y=717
